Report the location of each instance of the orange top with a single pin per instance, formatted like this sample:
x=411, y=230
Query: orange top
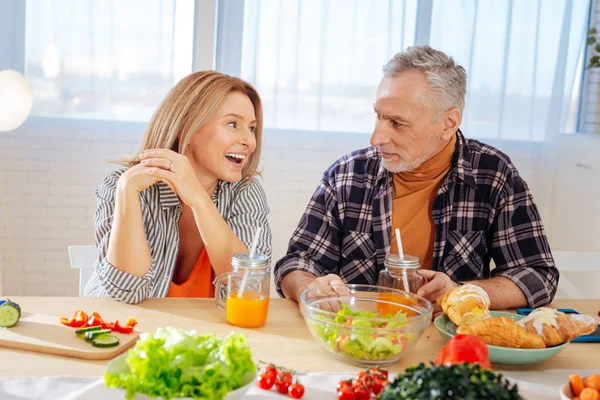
x=199, y=283
x=413, y=196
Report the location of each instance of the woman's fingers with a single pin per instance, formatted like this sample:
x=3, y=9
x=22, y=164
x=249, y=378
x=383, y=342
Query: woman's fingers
x=163, y=163
x=163, y=175
x=160, y=153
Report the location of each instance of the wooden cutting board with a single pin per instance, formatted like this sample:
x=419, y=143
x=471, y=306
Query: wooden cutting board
x=45, y=334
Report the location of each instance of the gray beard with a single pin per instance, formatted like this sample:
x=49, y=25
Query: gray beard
x=407, y=165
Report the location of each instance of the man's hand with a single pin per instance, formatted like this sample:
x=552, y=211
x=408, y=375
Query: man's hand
x=438, y=283
x=329, y=286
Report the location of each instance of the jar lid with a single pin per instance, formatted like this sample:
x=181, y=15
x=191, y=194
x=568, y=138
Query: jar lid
x=408, y=261
x=244, y=260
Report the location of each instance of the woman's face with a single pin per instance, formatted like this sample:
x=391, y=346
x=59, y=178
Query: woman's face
x=221, y=148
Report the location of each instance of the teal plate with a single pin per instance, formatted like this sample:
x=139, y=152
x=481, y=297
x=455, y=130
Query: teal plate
x=502, y=355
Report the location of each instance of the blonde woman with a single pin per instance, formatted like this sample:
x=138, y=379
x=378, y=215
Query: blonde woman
x=171, y=220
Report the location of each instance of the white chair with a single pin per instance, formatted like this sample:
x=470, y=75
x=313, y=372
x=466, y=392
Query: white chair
x=83, y=259
x=579, y=274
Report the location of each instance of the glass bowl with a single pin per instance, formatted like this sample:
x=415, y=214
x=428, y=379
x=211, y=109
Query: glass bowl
x=365, y=325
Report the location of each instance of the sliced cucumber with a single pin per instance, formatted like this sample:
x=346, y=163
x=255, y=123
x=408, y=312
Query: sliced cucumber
x=94, y=334
x=88, y=329
x=105, y=341
x=10, y=313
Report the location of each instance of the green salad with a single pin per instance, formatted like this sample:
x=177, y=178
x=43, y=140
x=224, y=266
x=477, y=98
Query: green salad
x=174, y=363
x=357, y=334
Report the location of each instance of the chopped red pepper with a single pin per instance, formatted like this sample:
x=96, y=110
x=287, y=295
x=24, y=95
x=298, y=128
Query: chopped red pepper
x=131, y=322
x=78, y=319
x=81, y=320
x=122, y=329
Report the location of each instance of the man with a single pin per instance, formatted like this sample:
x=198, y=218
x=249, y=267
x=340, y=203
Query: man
x=458, y=203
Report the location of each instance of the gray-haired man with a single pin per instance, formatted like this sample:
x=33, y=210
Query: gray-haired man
x=459, y=203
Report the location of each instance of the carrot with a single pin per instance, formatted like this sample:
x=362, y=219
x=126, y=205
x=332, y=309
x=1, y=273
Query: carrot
x=576, y=384
x=589, y=394
x=592, y=381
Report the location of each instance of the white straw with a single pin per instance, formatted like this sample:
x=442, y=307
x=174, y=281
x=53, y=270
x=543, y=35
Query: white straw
x=401, y=255
x=399, y=242
x=252, y=251
x=255, y=242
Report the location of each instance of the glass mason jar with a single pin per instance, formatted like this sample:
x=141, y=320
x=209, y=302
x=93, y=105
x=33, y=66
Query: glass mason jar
x=401, y=273
x=246, y=299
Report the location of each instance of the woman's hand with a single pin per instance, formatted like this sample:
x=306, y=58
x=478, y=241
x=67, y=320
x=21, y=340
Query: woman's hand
x=137, y=179
x=175, y=170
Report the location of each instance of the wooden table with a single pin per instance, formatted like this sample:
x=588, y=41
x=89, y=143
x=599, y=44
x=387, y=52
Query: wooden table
x=284, y=340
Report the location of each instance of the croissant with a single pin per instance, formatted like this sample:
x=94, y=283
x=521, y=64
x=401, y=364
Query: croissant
x=503, y=331
x=466, y=304
x=556, y=327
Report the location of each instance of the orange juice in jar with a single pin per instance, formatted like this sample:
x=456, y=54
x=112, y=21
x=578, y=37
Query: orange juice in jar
x=248, y=311
x=399, y=273
x=392, y=309
x=246, y=298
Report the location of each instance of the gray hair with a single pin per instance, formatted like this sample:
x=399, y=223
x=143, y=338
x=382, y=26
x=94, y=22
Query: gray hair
x=446, y=78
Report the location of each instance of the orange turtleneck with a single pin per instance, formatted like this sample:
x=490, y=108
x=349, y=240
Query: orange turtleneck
x=413, y=196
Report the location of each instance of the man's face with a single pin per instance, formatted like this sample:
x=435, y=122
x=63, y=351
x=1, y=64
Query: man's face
x=406, y=129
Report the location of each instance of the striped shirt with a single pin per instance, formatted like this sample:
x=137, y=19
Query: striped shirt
x=482, y=211
x=244, y=208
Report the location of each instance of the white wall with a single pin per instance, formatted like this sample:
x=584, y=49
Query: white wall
x=576, y=200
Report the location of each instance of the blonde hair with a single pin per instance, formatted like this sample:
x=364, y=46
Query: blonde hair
x=191, y=104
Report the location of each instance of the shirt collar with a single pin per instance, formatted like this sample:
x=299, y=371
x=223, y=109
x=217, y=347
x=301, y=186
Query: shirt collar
x=461, y=164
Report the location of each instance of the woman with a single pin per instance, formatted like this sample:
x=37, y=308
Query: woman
x=170, y=221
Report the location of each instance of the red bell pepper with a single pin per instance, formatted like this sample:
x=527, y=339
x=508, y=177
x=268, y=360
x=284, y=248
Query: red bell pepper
x=78, y=319
x=122, y=329
x=131, y=322
x=81, y=320
x=464, y=349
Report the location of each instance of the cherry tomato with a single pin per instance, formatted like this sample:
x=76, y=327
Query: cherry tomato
x=296, y=390
x=282, y=386
x=375, y=388
x=346, y=394
x=379, y=371
x=285, y=376
x=265, y=381
x=361, y=393
x=344, y=384
x=366, y=380
x=272, y=371
x=359, y=375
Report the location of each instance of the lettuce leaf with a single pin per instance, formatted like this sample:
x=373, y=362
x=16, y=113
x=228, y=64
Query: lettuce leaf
x=175, y=363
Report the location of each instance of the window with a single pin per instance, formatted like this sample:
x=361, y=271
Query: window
x=317, y=63
x=510, y=50
x=105, y=59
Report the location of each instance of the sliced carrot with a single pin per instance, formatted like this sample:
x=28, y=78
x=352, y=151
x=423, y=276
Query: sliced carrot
x=576, y=384
x=589, y=394
x=592, y=381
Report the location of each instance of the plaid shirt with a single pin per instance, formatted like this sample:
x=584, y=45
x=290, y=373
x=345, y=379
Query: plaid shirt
x=483, y=211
